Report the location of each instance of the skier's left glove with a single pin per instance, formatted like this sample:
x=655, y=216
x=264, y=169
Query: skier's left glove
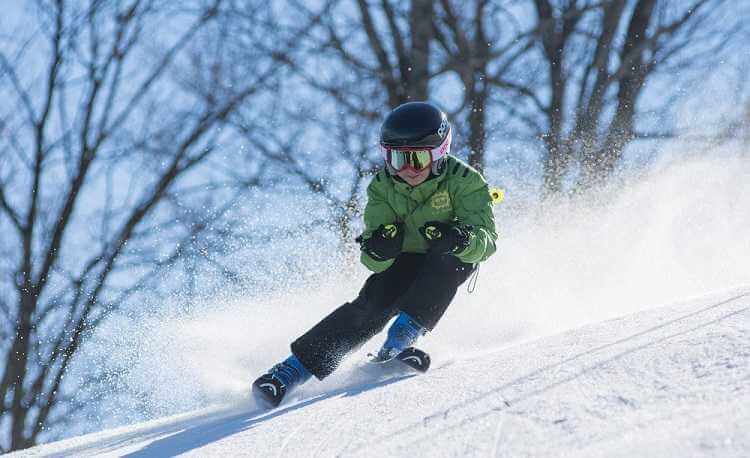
x=446, y=238
x=384, y=243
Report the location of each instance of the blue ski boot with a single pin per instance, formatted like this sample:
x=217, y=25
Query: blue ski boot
x=271, y=387
x=401, y=335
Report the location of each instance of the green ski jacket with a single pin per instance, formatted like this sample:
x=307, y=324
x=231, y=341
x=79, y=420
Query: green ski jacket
x=460, y=194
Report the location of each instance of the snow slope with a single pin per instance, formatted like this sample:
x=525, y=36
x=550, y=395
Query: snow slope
x=670, y=381
x=526, y=365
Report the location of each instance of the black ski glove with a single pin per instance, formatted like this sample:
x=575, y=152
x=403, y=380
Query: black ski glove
x=385, y=243
x=446, y=238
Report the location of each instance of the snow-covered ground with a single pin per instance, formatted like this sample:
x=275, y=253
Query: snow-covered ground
x=597, y=330
x=669, y=381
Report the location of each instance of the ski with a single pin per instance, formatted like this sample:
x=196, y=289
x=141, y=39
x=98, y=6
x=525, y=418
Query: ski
x=415, y=358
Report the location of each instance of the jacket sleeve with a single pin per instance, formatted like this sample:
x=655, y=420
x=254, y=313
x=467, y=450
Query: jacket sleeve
x=474, y=206
x=377, y=212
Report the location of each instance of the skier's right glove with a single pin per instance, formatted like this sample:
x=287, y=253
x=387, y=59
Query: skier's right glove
x=446, y=238
x=384, y=243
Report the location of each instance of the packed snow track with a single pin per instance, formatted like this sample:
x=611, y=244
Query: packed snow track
x=671, y=381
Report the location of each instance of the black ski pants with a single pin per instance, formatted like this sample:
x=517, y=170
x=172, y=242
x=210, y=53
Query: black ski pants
x=422, y=285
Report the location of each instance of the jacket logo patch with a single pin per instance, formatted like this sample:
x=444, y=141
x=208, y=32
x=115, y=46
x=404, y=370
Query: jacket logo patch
x=441, y=201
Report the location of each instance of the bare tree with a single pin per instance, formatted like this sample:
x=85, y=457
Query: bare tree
x=385, y=51
x=476, y=41
x=375, y=57
x=596, y=58
x=398, y=37
x=101, y=156
x=333, y=97
x=410, y=44
x=362, y=59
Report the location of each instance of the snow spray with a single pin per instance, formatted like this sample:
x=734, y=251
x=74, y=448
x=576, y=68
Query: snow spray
x=679, y=231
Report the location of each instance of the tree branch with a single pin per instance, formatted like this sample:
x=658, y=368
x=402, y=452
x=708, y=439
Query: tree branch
x=12, y=215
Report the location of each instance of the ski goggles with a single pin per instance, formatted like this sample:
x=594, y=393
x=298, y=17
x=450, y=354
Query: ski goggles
x=414, y=158
x=402, y=159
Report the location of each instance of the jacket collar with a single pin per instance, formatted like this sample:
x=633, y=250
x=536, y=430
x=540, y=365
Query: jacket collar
x=422, y=191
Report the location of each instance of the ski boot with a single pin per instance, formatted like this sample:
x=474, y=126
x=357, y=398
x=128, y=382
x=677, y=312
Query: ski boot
x=401, y=336
x=271, y=387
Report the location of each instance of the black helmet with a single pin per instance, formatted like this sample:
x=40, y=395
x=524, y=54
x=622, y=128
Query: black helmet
x=417, y=125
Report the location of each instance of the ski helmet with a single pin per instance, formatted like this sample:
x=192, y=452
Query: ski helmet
x=416, y=135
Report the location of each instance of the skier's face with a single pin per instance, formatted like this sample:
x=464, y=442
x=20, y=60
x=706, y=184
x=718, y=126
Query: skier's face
x=412, y=177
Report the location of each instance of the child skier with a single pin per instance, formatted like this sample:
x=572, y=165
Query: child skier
x=428, y=223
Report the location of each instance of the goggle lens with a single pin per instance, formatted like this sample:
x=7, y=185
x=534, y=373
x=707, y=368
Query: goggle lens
x=414, y=159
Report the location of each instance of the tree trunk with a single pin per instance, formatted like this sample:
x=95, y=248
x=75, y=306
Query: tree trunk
x=477, y=123
x=418, y=78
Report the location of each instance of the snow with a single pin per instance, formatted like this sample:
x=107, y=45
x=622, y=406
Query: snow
x=596, y=330
x=666, y=381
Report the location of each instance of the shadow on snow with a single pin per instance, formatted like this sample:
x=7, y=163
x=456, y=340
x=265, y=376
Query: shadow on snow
x=196, y=436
